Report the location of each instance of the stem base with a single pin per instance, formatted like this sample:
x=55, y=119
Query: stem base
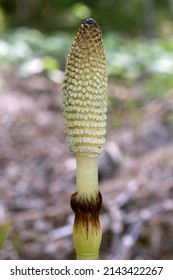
x=87, y=231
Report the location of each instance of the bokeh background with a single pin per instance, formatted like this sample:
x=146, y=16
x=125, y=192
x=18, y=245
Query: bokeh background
x=37, y=172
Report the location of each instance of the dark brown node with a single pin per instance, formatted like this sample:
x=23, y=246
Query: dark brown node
x=86, y=211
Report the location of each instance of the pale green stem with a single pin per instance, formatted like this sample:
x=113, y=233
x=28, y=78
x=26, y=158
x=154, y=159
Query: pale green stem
x=86, y=175
x=87, y=231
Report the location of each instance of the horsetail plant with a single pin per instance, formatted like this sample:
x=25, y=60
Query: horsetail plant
x=84, y=109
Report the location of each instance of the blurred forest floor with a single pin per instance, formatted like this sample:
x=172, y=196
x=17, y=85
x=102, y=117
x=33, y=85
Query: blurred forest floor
x=37, y=172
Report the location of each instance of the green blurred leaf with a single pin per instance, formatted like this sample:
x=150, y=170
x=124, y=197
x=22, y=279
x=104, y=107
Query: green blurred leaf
x=4, y=229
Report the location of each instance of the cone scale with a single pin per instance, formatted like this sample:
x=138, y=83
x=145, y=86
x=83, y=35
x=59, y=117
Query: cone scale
x=84, y=109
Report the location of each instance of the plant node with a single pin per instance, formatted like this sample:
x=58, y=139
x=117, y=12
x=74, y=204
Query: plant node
x=86, y=209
